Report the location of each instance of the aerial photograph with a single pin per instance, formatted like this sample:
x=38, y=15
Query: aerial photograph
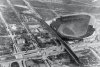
x=49, y=33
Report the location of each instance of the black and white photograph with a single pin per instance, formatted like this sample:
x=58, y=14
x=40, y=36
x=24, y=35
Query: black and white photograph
x=49, y=33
